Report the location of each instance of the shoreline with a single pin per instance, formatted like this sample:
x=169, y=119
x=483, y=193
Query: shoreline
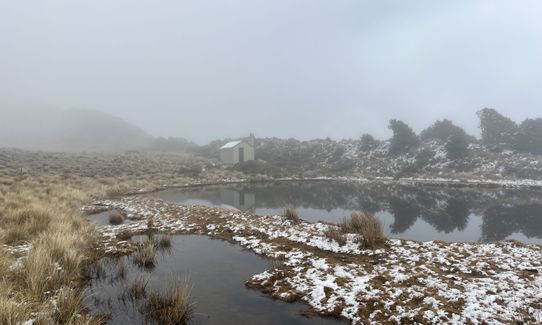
x=346, y=280
x=522, y=184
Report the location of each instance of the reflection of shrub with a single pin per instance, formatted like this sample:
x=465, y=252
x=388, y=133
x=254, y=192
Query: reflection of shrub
x=191, y=170
x=164, y=241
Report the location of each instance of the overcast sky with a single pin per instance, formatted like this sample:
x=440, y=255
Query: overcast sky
x=213, y=69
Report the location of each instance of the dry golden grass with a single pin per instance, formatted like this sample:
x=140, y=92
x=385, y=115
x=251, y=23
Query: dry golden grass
x=13, y=309
x=145, y=255
x=170, y=307
x=367, y=227
x=335, y=234
x=290, y=213
x=41, y=195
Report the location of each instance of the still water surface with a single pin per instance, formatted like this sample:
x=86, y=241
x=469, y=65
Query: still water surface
x=409, y=212
x=217, y=272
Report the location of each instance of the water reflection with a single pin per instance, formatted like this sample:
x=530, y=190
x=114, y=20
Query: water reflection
x=217, y=272
x=412, y=212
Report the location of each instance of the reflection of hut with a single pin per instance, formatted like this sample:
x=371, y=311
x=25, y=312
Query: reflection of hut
x=239, y=199
x=237, y=151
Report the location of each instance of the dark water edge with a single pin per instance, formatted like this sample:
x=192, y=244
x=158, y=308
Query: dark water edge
x=217, y=272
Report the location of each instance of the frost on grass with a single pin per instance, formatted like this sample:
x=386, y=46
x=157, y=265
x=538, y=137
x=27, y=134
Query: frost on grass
x=405, y=281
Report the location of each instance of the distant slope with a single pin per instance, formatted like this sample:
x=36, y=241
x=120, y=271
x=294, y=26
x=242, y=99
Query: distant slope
x=69, y=130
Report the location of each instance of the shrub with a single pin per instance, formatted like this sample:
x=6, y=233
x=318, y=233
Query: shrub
x=457, y=145
x=190, y=170
x=367, y=142
x=442, y=130
x=257, y=167
x=403, y=138
x=497, y=130
x=530, y=136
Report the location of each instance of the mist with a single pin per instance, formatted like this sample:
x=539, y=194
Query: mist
x=306, y=69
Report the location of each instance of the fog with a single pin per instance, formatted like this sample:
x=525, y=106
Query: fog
x=215, y=69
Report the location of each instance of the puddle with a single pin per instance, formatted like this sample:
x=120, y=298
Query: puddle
x=217, y=270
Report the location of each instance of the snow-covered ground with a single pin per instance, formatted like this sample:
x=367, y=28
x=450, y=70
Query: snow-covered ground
x=405, y=281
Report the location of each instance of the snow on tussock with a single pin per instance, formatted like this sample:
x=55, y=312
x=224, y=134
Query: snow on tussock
x=406, y=281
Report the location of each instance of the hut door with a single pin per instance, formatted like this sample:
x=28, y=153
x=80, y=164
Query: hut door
x=241, y=154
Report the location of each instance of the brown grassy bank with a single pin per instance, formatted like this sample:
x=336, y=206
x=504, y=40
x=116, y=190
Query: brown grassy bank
x=44, y=238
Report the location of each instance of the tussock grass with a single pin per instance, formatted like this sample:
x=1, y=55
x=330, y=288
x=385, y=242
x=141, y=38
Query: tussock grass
x=124, y=235
x=23, y=225
x=335, y=234
x=366, y=227
x=145, y=255
x=290, y=213
x=171, y=307
x=115, y=217
x=13, y=310
x=69, y=306
x=40, y=202
x=137, y=289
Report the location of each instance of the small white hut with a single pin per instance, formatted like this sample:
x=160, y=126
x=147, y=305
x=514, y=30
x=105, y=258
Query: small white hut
x=237, y=151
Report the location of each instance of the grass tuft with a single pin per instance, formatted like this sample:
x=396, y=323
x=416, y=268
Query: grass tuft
x=367, y=227
x=115, y=217
x=333, y=233
x=137, y=289
x=290, y=213
x=144, y=257
x=69, y=306
x=172, y=306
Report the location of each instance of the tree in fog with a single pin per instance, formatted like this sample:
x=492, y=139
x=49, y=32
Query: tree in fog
x=457, y=145
x=442, y=130
x=403, y=138
x=530, y=136
x=367, y=142
x=497, y=130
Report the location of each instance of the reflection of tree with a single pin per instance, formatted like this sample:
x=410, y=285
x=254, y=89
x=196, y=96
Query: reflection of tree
x=405, y=214
x=446, y=209
x=453, y=215
x=502, y=221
